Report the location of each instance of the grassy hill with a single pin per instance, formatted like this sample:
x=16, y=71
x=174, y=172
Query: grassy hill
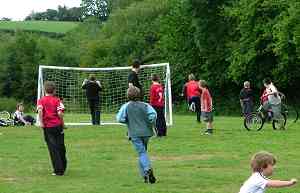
x=43, y=26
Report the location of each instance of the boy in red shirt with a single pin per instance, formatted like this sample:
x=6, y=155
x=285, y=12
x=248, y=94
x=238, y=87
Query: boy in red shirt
x=206, y=107
x=50, y=111
x=158, y=103
x=193, y=92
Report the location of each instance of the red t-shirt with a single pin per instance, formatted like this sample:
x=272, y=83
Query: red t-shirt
x=264, y=97
x=206, y=101
x=51, y=105
x=157, y=95
x=192, y=89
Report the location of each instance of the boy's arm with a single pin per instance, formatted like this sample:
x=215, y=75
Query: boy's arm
x=122, y=115
x=152, y=115
x=279, y=183
x=40, y=114
x=60, y=112
x=84, y=84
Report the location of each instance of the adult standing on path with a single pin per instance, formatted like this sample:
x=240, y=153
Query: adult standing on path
x=93, y=88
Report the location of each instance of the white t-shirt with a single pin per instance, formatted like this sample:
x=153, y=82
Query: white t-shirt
x=255, y=184
x=18, y=115
x=273, y=99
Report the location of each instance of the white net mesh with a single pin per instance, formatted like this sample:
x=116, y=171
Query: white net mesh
x=114, y=82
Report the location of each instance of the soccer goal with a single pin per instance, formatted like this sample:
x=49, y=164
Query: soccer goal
x=114, y=81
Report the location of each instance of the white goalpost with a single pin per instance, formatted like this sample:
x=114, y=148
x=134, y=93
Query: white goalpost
x=114, y=81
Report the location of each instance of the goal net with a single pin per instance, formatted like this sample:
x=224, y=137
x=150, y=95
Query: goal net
x=114, y=81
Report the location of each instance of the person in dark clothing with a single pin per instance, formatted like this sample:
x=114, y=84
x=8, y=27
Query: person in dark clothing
x=246, y=99
x=133, y=78
x=93, y=87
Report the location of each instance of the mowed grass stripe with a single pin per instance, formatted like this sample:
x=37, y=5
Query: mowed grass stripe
x=102, y=160
x=43, y=26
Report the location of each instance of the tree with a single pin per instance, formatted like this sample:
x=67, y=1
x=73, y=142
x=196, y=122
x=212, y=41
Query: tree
x=95, y=8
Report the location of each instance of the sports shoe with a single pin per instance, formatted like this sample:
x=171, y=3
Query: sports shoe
x=150, y=176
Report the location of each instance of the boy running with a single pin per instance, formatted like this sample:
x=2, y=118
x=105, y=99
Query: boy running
x=139, y=118
x=262, y=164
x=158, y=103
x=206, y=107
x=50, y=111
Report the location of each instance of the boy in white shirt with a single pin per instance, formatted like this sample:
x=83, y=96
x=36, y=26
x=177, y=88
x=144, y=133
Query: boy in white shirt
x=262, y=164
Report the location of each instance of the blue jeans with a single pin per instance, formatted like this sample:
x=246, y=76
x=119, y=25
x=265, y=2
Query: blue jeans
x=140, y=145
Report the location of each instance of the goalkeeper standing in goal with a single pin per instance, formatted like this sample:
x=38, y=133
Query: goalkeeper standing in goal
x=133, y=78
x=93, y=87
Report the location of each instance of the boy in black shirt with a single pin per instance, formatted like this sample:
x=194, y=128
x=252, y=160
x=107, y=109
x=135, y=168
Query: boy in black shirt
x=133, y=78
x=246, y=99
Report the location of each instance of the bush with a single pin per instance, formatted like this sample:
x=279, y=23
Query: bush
x=8, y=104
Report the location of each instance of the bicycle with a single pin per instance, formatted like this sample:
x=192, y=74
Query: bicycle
x=256, y=120
x=6, y=119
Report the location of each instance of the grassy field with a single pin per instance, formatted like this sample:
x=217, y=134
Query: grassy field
x=101, y=160
x=43, y=26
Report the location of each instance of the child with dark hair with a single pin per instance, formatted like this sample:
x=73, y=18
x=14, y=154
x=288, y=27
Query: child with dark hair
x=262, y=165
x=139, y=118
x=50, y=110
x=20, y=118
x=158, y=103
x=133, y=77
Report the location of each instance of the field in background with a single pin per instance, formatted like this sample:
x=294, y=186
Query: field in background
x=42, y=26
x=101, y=160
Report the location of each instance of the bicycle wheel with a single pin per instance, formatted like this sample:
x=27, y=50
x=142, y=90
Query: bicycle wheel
x=280, y=123
x=254, y=121
x=292, y=113
x=4, y=115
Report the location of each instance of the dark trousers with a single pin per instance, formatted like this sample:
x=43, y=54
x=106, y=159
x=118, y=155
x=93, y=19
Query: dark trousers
x=55, y=140
x=197, y=102
x=95, y=110
x=161, y=126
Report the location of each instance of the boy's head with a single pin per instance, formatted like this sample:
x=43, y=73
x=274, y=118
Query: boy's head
x=50, y=87
x=203, y=84
x=191, y=77
x=263, y=162
x=246, y=84
x=92, y=77
x=20, y=107
x=155, y=78
x=267, y=81
x=136, y=65
x=133, y=93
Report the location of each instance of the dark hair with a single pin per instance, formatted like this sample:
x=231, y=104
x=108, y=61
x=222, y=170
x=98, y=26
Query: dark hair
x=136, y=63
x=155, y=78
x=133, y=93
x=49, y=87
x=18, y=105
x=92, y=77
x=261, y=160
x=267, y=81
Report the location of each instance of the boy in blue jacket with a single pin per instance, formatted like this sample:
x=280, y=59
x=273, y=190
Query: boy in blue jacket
x=139, y=118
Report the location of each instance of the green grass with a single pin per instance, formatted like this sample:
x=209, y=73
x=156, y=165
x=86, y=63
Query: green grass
x=43, y=26
x=101, y=160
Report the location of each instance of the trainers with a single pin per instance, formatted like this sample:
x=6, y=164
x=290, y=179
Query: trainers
x=150, y=176
x=146, y=180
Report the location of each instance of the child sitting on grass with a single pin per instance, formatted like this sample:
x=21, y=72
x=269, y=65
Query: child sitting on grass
x=139, y=118
x=21, y=119
x=262, y=164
